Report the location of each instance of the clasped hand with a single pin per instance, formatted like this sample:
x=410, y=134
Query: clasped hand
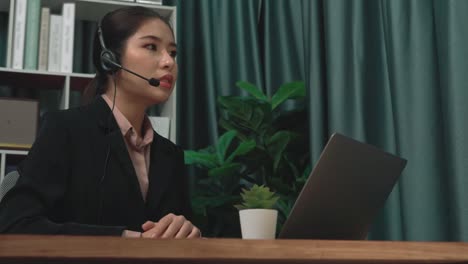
x=170, y=226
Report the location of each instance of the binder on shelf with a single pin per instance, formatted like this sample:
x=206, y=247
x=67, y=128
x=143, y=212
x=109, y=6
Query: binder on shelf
x=3, y=38
x=19, y=34
x=68, y=16
x=11, y=22
x=89, y=28
x=55, y=43
x=44, y=39
x=31, y=44
x=78, y=56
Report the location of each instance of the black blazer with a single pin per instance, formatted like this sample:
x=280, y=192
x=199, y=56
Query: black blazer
x=63, y=188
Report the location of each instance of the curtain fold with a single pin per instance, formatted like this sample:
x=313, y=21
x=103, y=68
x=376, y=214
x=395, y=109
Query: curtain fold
x=392, y=73
x=452, y=50
x=218, y=46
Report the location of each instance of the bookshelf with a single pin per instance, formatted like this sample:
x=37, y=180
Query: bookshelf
x=68, y=87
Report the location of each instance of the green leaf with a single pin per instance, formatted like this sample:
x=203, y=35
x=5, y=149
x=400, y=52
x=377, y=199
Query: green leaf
x=279, y=185
x=228, y=126
x=288, y=91
x=277, y=145
x=224, y=143
x=257, y=197
x=246, y=115
x=261, y=115
x=252, y=89
x=257, y=118
x=201, y=203
x=208, y=150
x=305, y=175
x=243, y=148
x=225, y=124
x=285, y=205
x=236, y=106
x=205, y=160
x=225, y=170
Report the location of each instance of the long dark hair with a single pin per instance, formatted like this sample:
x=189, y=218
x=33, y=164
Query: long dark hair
x=117, y=26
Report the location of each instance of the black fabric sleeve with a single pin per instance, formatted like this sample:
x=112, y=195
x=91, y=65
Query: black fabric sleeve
x=30, y=206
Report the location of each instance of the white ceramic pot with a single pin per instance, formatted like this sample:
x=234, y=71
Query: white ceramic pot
x=258, y=223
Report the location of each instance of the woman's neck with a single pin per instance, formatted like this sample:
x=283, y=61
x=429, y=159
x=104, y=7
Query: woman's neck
x=133, y=110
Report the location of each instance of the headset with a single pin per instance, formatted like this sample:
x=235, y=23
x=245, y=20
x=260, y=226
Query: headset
x=110, y=62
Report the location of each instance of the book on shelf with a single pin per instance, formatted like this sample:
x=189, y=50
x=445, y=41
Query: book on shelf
x=68, y=26
x=89, y=29
x=83, y=46
x=31, y=44
x=55, y=43
x=11, y=22
x=44, y=39
x=19, y=33
x=78, y=47
x=3, y=37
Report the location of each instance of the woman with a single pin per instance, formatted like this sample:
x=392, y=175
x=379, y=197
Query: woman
x=101, y=169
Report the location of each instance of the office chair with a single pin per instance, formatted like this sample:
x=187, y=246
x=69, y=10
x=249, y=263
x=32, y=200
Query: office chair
x=8, y=182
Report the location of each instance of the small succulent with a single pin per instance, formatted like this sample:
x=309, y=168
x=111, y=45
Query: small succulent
x=258, y=197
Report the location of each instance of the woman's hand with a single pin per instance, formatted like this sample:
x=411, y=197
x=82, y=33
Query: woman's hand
x=170, y=226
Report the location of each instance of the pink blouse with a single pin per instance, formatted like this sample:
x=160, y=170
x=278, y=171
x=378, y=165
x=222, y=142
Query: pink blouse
x=138, y=147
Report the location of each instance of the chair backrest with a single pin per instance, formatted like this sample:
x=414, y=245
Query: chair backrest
x=8, y=182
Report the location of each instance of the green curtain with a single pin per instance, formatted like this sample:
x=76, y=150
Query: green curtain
x=391, y=73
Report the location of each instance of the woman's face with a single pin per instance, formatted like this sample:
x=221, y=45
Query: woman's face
x=151, y=53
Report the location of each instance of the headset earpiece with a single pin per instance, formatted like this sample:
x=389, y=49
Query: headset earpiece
x=109, y=59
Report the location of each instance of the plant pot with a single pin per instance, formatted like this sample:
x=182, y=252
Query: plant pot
x=258, y=223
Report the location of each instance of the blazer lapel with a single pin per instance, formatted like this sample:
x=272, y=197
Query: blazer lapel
x=118, y=150
x=161, y=163
x=159, y=175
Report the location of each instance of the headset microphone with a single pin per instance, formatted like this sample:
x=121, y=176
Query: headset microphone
x=151, y=81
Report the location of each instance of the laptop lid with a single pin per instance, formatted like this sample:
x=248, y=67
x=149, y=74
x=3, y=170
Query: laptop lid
x=344, y=191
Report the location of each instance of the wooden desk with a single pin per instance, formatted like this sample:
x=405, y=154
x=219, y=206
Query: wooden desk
x=66, y=249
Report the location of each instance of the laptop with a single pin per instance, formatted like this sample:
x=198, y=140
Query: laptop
x=344, y=192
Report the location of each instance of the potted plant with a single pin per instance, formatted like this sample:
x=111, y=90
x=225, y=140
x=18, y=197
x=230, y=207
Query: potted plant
x=265, y=142
x=218, y=189
x=257, y=215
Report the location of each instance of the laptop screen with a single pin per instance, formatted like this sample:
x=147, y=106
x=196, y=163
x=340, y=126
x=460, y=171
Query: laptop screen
x=349, y=184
